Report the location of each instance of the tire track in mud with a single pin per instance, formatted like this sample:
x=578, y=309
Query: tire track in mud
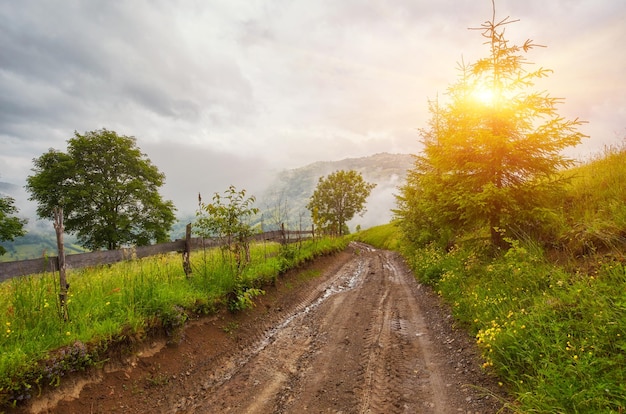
x=278, y=355
x=382, y=378
x=361, y=337
x=259, y=336
x=374, y=357
x=358, y=345
x=421, y=388
x=394, y=378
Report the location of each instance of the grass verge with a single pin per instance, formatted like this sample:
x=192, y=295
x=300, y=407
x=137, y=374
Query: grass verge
x=121, y=304
x=556, y=339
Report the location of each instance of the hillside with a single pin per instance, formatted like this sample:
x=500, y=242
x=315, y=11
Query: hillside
x=286, y=197
x=38, y=242
x=284, y=201
x=595, y=204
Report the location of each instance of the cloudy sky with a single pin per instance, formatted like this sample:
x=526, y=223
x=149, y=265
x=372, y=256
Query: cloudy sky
x=221, y=92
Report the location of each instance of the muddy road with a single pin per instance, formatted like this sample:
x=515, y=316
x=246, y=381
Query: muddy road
x=352, y=333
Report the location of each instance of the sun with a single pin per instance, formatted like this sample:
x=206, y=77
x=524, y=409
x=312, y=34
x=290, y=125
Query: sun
x=484, y=95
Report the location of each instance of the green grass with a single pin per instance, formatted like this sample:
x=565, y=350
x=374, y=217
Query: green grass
x=550, y=320
x=386, y=236
x=556, y=339
x=121, y=304
x=594, y=210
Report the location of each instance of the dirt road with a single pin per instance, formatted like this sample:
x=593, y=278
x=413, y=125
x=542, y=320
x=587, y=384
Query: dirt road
x=362, y=336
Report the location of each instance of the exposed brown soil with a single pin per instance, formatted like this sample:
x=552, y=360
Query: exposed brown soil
x=349, y=333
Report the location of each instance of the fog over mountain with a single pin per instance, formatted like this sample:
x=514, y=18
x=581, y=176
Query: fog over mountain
x=281, y=196
x=293, y=188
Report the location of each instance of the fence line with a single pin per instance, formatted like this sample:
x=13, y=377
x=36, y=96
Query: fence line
x=10, y=270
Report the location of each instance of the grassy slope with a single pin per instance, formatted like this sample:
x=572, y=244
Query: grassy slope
x=37, y=244
x=121, y=304
x=595, y=207
x=555, y=333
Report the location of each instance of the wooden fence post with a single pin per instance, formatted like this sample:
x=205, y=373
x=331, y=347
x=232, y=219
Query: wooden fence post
x=63, y=285
x=187, y=251
x=283, y=234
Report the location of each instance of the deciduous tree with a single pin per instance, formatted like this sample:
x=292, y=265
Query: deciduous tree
x=108, y=189
x=337, y=199
x=10, y=225
x=492, y=153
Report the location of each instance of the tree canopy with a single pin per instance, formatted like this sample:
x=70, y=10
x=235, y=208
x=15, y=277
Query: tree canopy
x=492, y=153
x=108, y=189
x=10, y=225
x=337, y=199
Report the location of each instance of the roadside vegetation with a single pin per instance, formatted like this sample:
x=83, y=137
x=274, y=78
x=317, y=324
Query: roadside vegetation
x=549, y=317
x=526, y=247
x=337, y=199
x=112, y=308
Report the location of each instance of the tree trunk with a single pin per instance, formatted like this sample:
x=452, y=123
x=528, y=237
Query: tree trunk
x=497, y=237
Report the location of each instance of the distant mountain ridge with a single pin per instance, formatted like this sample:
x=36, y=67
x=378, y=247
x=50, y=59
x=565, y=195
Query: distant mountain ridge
x=288, y=192
x=292, y=189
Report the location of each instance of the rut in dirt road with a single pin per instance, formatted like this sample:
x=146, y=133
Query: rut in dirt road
x=360, y=343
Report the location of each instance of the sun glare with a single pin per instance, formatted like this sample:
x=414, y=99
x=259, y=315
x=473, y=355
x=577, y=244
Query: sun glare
x=484, y=95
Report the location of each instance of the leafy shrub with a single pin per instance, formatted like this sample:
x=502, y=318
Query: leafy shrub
x=243, y=298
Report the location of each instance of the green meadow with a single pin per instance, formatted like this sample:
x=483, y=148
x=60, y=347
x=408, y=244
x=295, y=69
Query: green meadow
x=121, y=304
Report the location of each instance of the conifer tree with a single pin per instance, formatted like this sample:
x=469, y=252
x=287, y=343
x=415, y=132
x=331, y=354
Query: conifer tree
x=492, y=151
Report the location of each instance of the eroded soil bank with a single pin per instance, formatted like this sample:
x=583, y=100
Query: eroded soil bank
x=349, y=333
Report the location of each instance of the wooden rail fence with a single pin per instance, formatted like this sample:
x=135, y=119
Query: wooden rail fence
x=10, y=270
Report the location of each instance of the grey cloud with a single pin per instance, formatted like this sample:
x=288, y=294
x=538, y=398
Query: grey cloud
x=190, y=170
x=254, y=32
x=281, y=83
x=112, y=53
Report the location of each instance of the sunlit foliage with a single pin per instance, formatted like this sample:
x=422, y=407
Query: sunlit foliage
x=227, y=217
x=492, y=150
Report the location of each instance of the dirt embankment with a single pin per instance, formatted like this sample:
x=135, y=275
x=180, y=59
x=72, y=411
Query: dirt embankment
x=361, y=337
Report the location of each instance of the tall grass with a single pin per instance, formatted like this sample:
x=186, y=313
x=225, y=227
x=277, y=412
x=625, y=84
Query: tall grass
x=555, y=338
x=594, y=210
x=554, y=334
x=121, y=303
